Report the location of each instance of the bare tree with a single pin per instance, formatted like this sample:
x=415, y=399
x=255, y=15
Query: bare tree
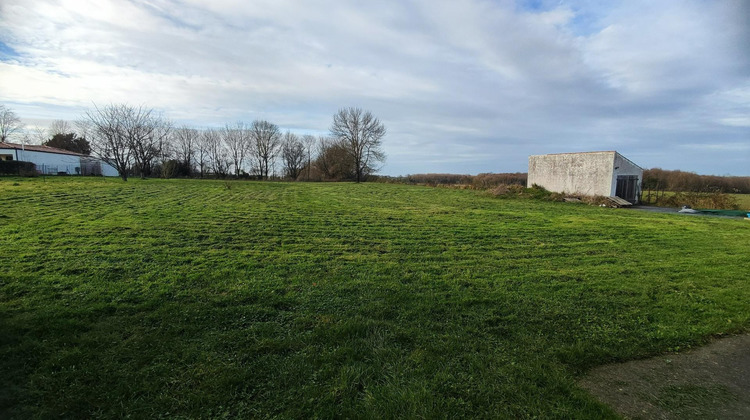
x=36, y=135
x=106, y=129
x=266, y=141
x=10, y=124
x=216, y=152
x=148, y=134
x=334, y=161
x=237, y=141
x=126, y=136
x=84, y=127
x=202, y=148
x=168, y=146
x=59, y=127
x=361, y=134
x=309, y=141
x=293, y=155
x=185, y=142
x=323, y=163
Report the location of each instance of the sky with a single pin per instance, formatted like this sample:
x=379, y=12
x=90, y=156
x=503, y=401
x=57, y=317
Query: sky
x=462, y=86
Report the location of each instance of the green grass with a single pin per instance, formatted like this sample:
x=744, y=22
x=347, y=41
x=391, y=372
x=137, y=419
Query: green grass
x=190, y=299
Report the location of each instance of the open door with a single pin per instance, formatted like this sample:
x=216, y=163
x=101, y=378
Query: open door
x=627, y=188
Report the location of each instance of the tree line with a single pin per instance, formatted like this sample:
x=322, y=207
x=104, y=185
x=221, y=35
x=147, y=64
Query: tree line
x=482, y=181
x=657, y=179
x=139, y=141
x=654, y=180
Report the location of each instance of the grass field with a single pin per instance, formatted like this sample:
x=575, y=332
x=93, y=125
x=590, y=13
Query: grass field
x=183, y=298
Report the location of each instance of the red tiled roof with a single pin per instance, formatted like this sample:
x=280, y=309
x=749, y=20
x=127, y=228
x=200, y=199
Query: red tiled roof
x=38, y=148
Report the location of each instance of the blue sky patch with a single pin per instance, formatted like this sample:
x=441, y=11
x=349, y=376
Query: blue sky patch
x=6, y=52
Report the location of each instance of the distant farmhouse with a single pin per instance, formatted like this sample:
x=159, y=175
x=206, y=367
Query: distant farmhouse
x=53, y=161
x=608, y=174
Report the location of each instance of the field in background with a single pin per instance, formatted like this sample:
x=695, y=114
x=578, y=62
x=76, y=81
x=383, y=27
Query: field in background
x=210, y=298
x=697, y=200
x=743, y=200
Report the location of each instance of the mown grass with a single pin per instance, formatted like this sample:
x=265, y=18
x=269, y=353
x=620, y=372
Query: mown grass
x=205, y=299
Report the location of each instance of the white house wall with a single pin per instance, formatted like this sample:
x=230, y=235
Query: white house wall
x=574, y=173
x=51, y=163
x=108, y=170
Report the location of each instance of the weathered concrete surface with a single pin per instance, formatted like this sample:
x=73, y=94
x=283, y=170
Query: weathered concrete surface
x=589, y=173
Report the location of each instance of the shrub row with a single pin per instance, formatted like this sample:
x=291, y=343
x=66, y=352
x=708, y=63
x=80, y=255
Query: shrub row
x=17, y=167
x=484, y=181
x=700, y=201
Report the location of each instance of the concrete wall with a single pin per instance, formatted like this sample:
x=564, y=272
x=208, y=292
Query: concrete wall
x=623, y=166
x=574, y=173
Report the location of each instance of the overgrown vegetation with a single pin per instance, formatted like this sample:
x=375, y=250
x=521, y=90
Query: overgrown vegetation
x=519, y=191
x=484, y=181
x=743, y=200
x=180, y=298
x=699, y=200
x=17, y=167
x=656, y=180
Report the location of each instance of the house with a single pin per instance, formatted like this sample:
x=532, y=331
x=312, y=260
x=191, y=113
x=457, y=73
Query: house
x=53, y=161
x=589, y=173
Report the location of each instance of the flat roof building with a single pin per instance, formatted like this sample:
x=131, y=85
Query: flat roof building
x=588, y=173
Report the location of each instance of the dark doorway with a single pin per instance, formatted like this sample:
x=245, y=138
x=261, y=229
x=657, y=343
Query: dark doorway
x=627, y=187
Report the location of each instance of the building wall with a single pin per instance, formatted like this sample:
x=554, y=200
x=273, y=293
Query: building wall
x=624, y=166
x=7, y=154
x=52, y=163
x=109, y=170
x=574, y=173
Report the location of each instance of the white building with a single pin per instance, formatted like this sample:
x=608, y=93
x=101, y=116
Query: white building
x=589, y=173
x=53, y=161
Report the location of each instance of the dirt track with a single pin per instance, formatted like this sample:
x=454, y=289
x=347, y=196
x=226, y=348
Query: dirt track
x=711, y=382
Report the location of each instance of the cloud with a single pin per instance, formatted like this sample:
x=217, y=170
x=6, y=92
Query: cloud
x=652, y=48
x=471, y=86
